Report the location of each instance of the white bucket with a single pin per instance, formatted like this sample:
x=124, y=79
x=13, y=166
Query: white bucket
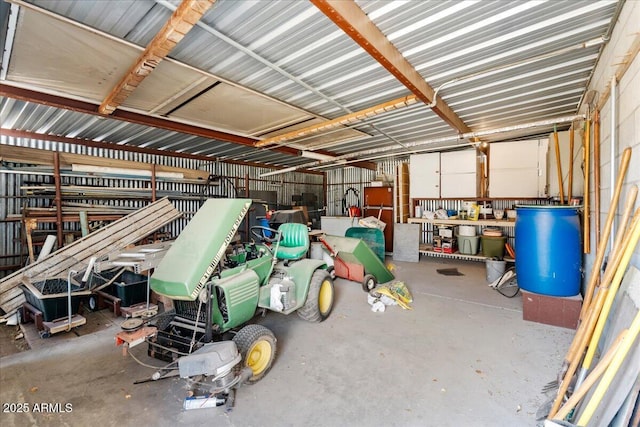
x=317, y=252
x=418, y=212
x=495, y=269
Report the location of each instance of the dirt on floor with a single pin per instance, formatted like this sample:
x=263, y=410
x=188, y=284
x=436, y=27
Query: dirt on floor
x=12, y=340
x=23, y=337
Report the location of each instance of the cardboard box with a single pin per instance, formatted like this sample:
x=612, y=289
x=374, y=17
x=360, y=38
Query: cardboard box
x=556, y=311
x=372, y=222
x=445, y=244
x=446, y=231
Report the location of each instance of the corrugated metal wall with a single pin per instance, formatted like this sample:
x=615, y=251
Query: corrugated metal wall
x=186, y=197
x=340, y=180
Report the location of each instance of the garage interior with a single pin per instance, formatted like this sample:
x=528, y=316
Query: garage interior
x=445, y=192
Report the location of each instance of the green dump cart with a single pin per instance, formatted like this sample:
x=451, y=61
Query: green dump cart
x=354, y=260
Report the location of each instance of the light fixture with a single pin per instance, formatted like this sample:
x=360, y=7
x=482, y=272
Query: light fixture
x=316, y=156
x=278, y=172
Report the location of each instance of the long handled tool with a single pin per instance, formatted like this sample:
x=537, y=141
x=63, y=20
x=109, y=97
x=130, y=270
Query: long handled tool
x=595, y=271
x=597, y=372
x=596, y=175
x=614, y=273
x=570, y=184
x=587, y=168
x=558, y=164
x=597, y=264
x=611, y=372
x=613, y=289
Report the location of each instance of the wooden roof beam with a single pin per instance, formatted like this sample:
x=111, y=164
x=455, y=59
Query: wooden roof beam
x=341, y=121
x=55, y=101
x=182, y=20
x=354, y=22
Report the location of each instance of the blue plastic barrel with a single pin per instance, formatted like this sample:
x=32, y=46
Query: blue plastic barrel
x=548, y=250
x=264, y=222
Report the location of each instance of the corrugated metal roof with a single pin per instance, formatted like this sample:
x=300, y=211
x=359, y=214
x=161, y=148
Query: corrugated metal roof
x=292, y=52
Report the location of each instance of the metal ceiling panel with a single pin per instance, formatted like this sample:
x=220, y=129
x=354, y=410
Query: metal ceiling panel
x=503, y=63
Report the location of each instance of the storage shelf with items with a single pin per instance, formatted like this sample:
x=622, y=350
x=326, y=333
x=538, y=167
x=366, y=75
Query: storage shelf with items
x=466, y=245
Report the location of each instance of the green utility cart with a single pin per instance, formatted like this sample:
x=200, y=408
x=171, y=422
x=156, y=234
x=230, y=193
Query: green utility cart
x=354, y=260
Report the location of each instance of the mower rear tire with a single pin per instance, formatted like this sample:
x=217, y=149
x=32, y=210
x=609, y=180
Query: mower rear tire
x=257, y=346
x=320, y=298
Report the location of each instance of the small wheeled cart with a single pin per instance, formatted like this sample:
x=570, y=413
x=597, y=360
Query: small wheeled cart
x=354, y=260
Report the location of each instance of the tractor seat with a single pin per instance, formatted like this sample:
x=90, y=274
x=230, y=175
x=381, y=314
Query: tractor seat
x=295, y=241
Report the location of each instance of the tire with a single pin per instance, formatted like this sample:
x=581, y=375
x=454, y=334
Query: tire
x=320, y=298
x=93, y=303
x=332, y=272
x=369, y=282
x=257, y=346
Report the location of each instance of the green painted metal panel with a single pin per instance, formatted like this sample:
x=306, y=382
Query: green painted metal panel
x=261, y=265
x=193, y=257
x=240, y=298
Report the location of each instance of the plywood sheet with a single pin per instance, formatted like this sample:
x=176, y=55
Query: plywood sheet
x=66, y=59
x=237, y=110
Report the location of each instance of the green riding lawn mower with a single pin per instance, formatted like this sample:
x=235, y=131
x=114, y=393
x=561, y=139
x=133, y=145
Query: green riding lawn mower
x=218, y=284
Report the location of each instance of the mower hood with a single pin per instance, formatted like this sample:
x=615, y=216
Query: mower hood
x=194, y=256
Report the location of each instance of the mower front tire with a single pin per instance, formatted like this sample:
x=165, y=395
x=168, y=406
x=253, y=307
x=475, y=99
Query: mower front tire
x=257, y=346
x=319, y=301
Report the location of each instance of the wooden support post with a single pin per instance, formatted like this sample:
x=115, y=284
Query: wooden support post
x=325, y=191
x=571, y=144
x=153, y=193
x=246, y=194
x=596, y=176
x=558, y=165
x=587, y=171
x=153, y=182
x=58, y=198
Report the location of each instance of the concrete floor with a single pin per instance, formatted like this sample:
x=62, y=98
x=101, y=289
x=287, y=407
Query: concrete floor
x=462, y=357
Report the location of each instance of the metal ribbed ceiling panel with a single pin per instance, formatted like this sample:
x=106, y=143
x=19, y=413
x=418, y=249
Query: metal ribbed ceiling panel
x=502, y=63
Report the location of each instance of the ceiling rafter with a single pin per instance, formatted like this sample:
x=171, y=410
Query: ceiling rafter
x=357, y=116
x=179, y=24
x=356, y=24
x=55, y=101
x=135, y=149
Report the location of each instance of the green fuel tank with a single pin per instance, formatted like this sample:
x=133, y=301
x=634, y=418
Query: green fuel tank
x=193, y=257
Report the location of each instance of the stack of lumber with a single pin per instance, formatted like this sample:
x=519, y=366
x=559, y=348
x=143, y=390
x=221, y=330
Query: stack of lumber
x=32, y=156
x=70, y=208
x=94, y=192
x=113, y=237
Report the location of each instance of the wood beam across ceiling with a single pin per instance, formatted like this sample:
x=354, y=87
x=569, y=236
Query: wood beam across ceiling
x=356, y=24
x=132, y=148
x=55, y=101
x=183, y=19
x=341, y=121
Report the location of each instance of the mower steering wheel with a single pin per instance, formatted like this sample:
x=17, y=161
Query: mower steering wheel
x=260, y=232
